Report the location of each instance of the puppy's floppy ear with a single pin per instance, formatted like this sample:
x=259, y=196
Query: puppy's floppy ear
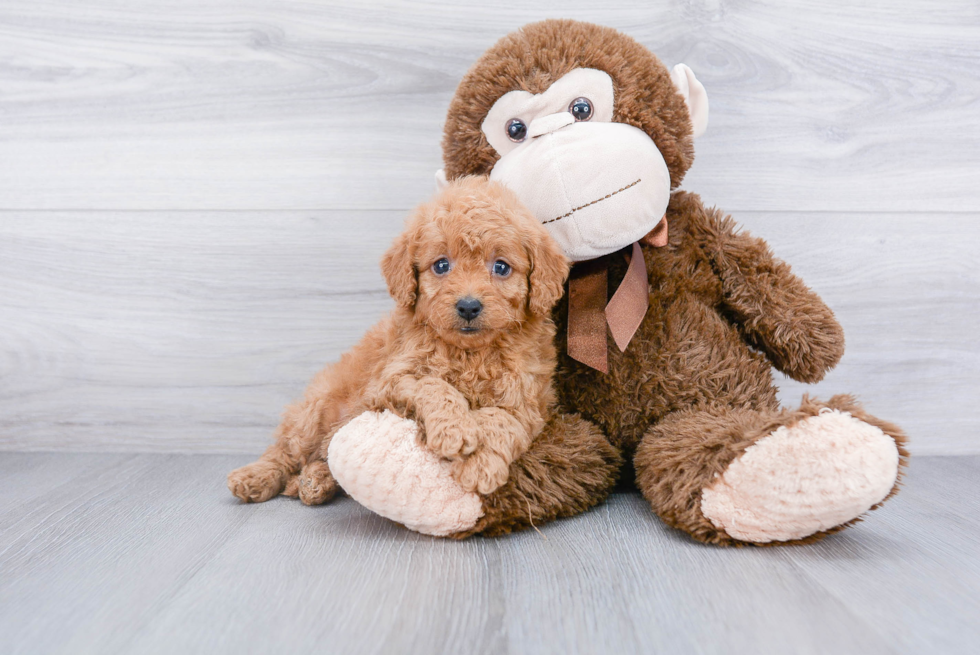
x=398, y=267
x=549, y=269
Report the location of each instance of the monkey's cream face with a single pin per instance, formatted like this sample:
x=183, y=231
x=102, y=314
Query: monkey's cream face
x=596, y=185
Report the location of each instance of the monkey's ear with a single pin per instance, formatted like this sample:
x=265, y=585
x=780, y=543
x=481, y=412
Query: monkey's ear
x=398, y=268
x=546, y=279
x=694, y=95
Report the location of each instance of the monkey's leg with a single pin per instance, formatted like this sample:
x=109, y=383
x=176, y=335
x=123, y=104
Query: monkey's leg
x=378, y=461
x=730, y=476
x=569, y=468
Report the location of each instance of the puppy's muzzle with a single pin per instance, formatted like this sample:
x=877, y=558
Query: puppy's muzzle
x=469, y=308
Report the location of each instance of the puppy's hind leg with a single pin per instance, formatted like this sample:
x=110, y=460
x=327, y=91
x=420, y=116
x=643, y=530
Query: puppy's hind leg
x=316, y=485
x=306, y=429
x=298, y=440
x=265, y=478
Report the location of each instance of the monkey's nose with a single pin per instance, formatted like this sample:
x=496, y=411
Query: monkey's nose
x=469, y=308
x=549, y=123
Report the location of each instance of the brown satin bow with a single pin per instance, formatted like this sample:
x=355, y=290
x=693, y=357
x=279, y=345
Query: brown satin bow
x=588, y=312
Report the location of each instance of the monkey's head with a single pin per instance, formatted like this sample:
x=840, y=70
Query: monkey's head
x=586, y=125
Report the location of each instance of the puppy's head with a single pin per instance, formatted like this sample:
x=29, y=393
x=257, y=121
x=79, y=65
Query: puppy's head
x=473, y=263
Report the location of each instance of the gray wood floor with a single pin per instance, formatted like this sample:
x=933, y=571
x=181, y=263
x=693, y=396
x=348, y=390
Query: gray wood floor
x=123, y=553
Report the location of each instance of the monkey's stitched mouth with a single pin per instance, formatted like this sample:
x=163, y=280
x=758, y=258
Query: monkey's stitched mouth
x=596, y=201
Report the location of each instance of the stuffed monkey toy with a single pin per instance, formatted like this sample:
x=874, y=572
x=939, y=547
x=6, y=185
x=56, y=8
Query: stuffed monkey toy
x=670, y=326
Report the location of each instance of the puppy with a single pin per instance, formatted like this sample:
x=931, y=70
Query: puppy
x=467, y=353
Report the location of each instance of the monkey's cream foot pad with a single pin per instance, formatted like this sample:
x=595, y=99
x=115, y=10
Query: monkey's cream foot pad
x=377, y=460
x=802, y=479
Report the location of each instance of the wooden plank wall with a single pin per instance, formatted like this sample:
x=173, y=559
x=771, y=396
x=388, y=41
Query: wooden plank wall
x=194, y=195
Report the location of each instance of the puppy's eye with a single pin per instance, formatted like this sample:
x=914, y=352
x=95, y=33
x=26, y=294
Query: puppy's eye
x=516, y=130
x=441, y=267
x=501, y=268
x=581, y=109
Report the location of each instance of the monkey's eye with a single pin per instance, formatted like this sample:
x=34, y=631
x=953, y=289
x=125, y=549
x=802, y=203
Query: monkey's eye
x=516, y=130
x=501, y=268
x=581, y=109
x=441, y=267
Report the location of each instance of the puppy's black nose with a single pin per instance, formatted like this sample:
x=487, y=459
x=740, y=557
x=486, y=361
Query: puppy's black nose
x=469, y=308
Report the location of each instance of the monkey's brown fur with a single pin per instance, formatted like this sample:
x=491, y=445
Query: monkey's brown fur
x=533, y=58
x=480, y=397
x=681, y=454
x=694, y=388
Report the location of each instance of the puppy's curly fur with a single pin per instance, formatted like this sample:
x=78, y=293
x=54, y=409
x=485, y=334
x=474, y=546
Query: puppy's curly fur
x=480, y=388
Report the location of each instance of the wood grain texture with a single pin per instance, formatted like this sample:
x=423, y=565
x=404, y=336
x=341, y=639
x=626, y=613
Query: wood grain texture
x=252, y=104
x=228, y=174
x=150, y=554
x=177, y=331
x=188, y=331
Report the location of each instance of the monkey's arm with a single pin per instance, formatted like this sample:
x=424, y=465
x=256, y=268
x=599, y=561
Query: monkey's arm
x=777, y=313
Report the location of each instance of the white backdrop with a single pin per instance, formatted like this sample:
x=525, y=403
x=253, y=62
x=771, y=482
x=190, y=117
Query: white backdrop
x=194, y=195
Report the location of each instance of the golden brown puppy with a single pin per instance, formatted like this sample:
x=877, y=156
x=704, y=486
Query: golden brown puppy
x=467, y=353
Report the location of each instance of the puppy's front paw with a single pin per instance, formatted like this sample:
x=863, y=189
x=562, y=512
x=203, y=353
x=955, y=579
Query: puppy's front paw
x=257, y=482
x=483, y=472
x=448, y=440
